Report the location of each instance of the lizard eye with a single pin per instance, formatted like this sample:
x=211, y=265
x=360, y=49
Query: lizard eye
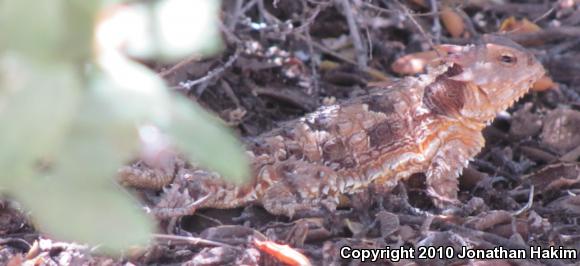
x=508, y=59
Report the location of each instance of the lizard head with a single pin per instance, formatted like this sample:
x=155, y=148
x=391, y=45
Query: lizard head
x=491, y=76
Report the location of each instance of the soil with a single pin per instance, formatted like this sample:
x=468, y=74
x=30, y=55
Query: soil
x=285, y=58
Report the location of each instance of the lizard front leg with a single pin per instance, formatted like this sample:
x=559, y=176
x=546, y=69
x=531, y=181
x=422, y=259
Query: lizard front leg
x=154, y=175
x=140, y=175
x=171, y=177
x=448, y=163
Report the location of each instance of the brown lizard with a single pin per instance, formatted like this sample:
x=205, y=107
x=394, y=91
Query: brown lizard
x=430, y=124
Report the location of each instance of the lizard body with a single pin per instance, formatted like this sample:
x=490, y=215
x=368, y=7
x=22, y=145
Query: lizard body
x=431, y=124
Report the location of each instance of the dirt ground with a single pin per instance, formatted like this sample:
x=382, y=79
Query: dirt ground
x=285, y=58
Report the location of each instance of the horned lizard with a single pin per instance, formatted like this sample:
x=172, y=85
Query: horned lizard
x=431, y=124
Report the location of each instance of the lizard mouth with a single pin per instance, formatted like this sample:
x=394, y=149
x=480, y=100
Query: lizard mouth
x=518, y=87
x=521, y=91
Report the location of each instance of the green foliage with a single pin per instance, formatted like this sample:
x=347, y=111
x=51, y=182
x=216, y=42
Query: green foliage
x=33, y=124
x=47, y=30
x=211, y=141
x=69, y=121
x=173, y=31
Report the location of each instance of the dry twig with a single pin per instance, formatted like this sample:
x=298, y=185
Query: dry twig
x=188, y=84
x=436, y=24
x=418, y=26
x=195, y=241
x=546, y=35
x=306, y=27
x=361, y=54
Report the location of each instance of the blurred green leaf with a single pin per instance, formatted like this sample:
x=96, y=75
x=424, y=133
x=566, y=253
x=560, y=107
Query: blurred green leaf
x=66, y=130
x=85, y=213
x=25, y=24
x=174, y=29
x=101, y=138
x=79, y=18
x=191, y=128
x=74, y=198
x=37, y=105
x=78, y=188
x=207, y=140
x=48, y=29
x=139, y=94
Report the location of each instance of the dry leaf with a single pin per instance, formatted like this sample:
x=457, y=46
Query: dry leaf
x=417, y=62
x=513, y=25
x=413, y=63
x=421, y=3
x=554, y=177
x=452, y=21
x=283, y=253
x=327, y=65
x=377, y=75
x=543, y=84
x=561, y=131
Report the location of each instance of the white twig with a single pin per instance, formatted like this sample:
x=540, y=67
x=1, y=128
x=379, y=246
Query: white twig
x=188, y=84
x=195, y=241
x=528, y=205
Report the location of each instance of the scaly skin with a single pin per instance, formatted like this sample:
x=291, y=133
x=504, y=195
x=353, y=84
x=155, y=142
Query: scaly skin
x=430, y=124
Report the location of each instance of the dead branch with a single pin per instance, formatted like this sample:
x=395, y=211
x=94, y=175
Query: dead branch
x=361, y=53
